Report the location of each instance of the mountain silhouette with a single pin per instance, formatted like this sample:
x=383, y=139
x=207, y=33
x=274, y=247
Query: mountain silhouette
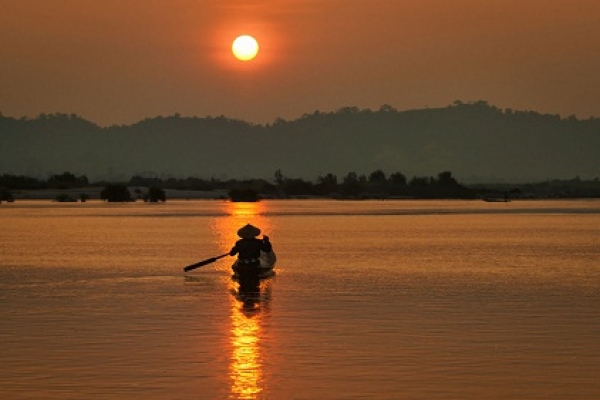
x=478, y=142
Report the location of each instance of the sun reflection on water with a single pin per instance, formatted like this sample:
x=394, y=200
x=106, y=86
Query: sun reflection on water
x=248, y=308
x=237, y=215
x=246, y=359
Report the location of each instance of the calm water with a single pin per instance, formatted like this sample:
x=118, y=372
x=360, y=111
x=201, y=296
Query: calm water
x=387, y=300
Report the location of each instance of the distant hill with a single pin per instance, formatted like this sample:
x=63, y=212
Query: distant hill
x=476, y=141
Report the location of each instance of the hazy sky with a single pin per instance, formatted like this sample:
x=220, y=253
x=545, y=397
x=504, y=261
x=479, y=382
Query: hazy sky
x=119, y=61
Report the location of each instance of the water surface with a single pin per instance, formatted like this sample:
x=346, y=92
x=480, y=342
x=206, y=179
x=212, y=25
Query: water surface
x=372, y=299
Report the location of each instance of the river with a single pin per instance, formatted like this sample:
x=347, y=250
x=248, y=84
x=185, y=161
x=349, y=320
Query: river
x=372, y=299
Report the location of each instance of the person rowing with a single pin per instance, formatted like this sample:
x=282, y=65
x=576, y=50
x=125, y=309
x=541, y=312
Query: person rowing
x=248, y=250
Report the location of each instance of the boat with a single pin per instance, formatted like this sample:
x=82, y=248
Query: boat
x=244, y=195
x=265, y=269
x=496, y=199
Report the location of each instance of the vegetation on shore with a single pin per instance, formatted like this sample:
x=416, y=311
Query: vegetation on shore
x=376, y=185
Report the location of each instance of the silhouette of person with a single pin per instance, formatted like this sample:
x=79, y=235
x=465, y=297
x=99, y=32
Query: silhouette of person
x=248, y=250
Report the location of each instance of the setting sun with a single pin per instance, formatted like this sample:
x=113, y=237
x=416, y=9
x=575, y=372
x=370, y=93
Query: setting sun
x=244, y=48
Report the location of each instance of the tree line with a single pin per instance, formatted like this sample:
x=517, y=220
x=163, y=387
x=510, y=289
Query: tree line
x=374, y=185
x=352, y=185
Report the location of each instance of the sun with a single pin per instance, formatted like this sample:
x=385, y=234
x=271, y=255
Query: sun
x=244, y=48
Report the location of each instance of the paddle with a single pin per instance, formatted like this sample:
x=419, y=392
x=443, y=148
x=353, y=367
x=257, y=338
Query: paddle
x=205, y=262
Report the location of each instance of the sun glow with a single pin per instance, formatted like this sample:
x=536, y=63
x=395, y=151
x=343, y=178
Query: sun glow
x=244, y=48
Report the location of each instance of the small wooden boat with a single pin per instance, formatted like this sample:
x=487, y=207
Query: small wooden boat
x=264, y=270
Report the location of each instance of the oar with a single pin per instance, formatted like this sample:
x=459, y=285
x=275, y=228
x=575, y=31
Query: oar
x=205, y=262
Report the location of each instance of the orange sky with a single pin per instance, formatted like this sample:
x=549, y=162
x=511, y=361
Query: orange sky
x=116, y=62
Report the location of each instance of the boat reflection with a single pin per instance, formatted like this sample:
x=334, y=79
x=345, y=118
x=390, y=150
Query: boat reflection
x=254, y=295
x=250, y=302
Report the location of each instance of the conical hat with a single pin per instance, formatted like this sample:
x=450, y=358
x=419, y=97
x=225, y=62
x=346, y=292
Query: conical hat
x=248, y=231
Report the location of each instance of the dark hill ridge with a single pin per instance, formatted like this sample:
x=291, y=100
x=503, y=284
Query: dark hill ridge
x=476, y=141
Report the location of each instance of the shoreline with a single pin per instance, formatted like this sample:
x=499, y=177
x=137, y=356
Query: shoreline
x=93, y=193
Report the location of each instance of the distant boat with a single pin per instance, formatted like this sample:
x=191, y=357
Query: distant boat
x=244, y=195
x=496, y=199
x=499, y=198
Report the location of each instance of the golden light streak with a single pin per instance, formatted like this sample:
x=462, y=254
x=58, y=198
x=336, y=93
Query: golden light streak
x=246, y=361
x=246, y=323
